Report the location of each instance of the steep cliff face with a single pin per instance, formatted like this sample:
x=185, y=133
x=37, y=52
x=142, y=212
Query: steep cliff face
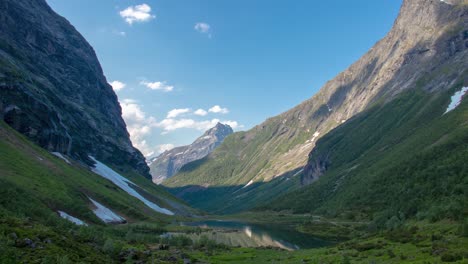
x=52, y=88
x=426, y=48
x=170, y=162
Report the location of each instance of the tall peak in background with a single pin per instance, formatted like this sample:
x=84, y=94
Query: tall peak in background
x=170, y=162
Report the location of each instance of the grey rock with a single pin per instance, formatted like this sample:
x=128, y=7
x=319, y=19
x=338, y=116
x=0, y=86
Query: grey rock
x=28, y=243
x=53, y=90
x=170, y=162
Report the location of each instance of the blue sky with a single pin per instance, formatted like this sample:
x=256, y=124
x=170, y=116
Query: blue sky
x=246, y=60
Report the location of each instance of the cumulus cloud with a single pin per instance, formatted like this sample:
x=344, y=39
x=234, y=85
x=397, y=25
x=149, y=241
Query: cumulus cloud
x=218, y=110
x=200, y=112
x=202, y=27
x=117, y=85
x=176, y=112
x=139, y=125
x=164, y=147
x=138, y=13
x=232, y=124
x=170, y=124
x=157, y=86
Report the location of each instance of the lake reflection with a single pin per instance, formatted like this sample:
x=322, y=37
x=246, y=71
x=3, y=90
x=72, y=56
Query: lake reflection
x=233, y=233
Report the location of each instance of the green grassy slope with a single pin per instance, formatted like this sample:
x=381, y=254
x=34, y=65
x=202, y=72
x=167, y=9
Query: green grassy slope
x=34, y=185
x=52, y=183
x=396, y=161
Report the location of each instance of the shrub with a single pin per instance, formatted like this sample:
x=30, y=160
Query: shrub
x=451, y=257
x=464, y=229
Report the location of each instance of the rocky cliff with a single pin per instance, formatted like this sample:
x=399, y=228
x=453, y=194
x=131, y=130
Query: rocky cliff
x=170, y=162
x=426, y=48
x=52, y=88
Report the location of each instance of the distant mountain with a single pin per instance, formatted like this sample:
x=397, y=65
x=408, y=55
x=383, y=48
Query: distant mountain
x=170, y=162
x=52, y=88
x=426, y=50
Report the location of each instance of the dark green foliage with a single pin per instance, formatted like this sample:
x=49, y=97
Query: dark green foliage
x=464, y=228
x=346, y=260
x=451, y=257
x=401, y=160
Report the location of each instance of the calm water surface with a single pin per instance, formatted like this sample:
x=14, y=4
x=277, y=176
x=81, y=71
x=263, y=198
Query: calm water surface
x=234, y=233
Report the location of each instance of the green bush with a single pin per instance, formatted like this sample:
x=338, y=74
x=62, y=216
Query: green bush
x=464, y=229
x=112, y=247
x=451, y=257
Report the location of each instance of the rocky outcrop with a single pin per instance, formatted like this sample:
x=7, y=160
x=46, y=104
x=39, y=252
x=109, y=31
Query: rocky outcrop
x=52, y=88
x=170, y=162
x=316, y=167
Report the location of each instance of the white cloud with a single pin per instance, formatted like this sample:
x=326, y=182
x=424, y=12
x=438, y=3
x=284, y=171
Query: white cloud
x=117, y=85
x=170, y=124
x=176, y=112
x=218, y=109
x=138, y=13
x=202, y=27
x=139, y=125
x=232, y=124
x=121, y=33
x=200, y=112
x=164, y=147
x=157, y=86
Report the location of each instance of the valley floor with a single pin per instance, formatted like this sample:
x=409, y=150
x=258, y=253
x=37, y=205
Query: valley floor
x=24, y=241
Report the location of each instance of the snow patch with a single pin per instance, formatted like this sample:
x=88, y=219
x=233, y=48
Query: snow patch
x=297, y=173
x=248, y=184
x=123, y=183
x=316, y=134
x=106, y=214
x=72, y=219
x=456, y=99
x=60, y=156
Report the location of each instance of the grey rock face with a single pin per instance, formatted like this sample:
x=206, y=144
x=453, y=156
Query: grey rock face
x=52, y=88
x=426, y=49
x=170, y=162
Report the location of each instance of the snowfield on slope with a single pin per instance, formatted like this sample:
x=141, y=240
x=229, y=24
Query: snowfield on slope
x=72, y=219
x=456, y=99
x=106, y=214
x=124, y=184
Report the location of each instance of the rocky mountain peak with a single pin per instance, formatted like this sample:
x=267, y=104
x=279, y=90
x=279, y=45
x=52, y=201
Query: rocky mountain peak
x=170, y=162
x=220, y=131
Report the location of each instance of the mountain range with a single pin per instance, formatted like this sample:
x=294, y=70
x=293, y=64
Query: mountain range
x=377, y=157
x=425, y=51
